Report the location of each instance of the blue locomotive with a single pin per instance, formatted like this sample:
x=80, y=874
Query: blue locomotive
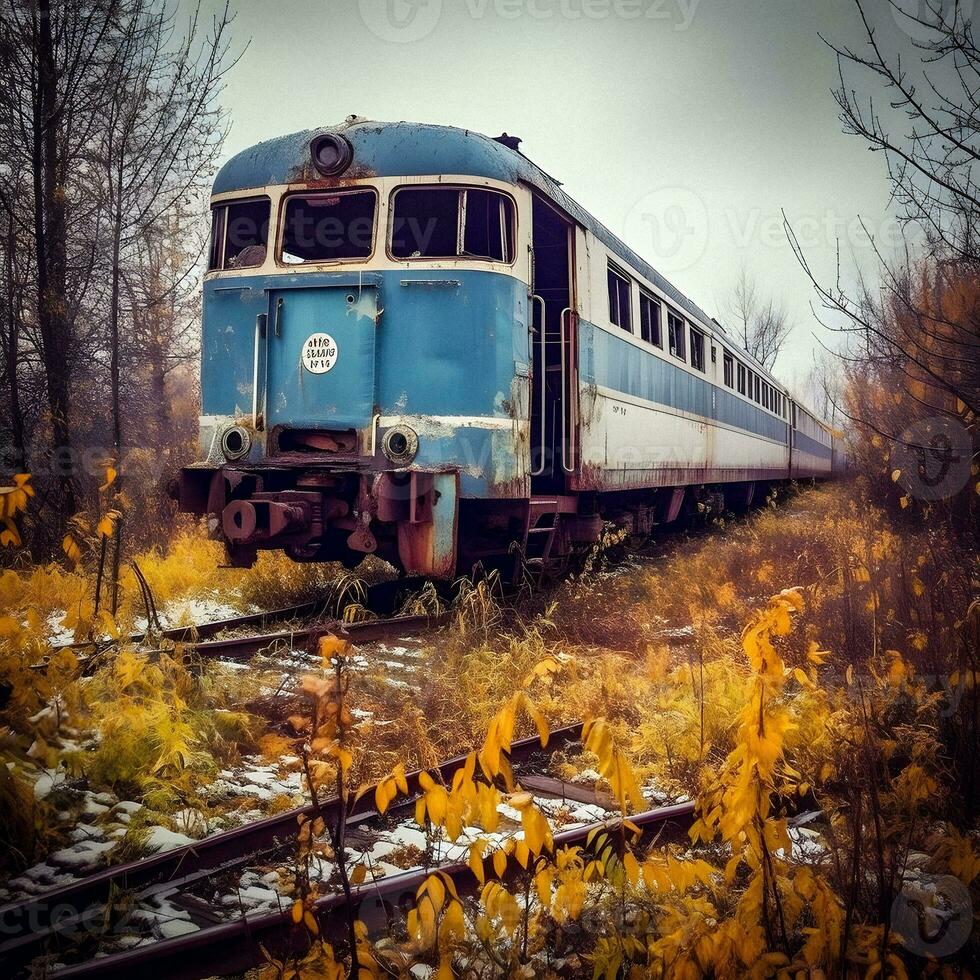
x=416, y=344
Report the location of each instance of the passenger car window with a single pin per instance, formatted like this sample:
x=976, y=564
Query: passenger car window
x=697, y=349
x=729, y=363
x=650, y=320
x=675, y=335
x=452, y=222
x=239, y=234
x=619, y=299
x=328, y=227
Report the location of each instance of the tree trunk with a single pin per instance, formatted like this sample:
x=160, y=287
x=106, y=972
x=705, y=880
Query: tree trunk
x=114, y=382
x=50, y=231
x=13, y=356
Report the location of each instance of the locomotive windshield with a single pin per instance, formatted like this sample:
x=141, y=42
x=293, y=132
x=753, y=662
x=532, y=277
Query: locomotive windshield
x=239, y=234
x=329, y=227
x=445, y=222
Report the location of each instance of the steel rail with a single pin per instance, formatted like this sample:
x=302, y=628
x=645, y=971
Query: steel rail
x=233, y=947
x=368, y=631
x=183, y=634
x=379, y=594
x=28, y=925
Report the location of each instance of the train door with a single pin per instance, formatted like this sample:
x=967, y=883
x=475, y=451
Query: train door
x=554, y=400
x=321, y=356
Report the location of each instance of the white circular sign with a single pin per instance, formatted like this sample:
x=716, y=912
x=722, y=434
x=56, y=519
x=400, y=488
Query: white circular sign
x=320, y=353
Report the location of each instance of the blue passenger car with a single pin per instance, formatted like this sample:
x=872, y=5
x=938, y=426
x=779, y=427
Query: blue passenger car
x=416, y=344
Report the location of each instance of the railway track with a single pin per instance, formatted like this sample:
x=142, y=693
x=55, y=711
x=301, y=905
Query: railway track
x=49, y=923
x=234, y=947
x=381, y=598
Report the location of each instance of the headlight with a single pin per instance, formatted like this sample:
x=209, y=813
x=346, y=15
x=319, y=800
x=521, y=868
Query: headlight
x=235, y=442
x=400, y=444
x=331, y=154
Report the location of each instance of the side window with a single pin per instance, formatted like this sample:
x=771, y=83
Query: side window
x=675, y=335
x=452, y=222
x=619, y=299
x=239, y=234
x=650, y=320
x=328, y=227
x=729, y=365
x=488, y=225
x=741, y=378
x=425, y=223
x=697, y=349
x=758, y=388
x=751, y=381
x=217, y=237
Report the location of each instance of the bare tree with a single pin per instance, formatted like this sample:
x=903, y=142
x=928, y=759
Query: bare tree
x=917, y=322
x=50, y=60
x=110, y=129
x=162, y=134
x=763, y=325
x=821, y=388
x=926, y=127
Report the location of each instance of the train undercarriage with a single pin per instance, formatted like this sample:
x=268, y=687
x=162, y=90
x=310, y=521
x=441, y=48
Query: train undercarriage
x=418, y=521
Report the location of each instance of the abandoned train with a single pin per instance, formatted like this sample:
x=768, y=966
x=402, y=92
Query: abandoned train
x=416, y=344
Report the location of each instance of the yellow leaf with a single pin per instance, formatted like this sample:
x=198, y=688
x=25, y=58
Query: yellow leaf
x=499, y=863
x=475, y=860
x=298, y=911
x=632, y=867
x=399, y=774
x=331, y=646
x=106, y=526
x=539, y=722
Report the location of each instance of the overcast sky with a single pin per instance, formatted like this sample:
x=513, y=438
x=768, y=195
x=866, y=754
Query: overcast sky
x=683, y=125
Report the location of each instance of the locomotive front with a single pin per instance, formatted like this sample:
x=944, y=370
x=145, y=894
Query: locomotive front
x=365, y=351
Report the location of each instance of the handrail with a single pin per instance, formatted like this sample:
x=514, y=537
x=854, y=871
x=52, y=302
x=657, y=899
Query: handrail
x=567, y=402
x=261, y=320
x=279, y=304
x=544, y=381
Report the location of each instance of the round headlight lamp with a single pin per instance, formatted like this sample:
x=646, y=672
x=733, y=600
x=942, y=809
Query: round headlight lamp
x=400, y=444
x=235, y=442
x=331, y=153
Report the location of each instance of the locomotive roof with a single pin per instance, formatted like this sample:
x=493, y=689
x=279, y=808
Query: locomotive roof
x=415, y=149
